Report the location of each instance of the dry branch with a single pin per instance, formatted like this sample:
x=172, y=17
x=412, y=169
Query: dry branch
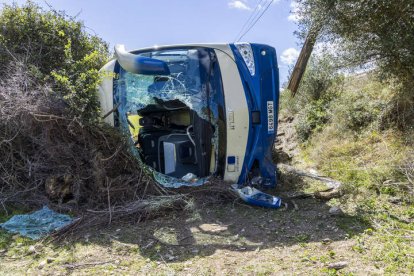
x=333, y=187
x=331, y=183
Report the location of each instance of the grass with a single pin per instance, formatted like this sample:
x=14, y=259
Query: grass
x=356, y=148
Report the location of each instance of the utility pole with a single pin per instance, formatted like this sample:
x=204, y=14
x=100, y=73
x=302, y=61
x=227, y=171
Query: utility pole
x=301, y=63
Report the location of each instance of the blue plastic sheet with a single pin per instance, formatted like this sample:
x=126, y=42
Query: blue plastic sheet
x=38, y=224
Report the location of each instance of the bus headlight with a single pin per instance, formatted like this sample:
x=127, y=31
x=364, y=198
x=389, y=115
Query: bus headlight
x=246, y=52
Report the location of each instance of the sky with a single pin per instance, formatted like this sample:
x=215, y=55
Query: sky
x=139, y=23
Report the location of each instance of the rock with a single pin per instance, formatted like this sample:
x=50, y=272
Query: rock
x=395, y=200
x=338, y=265
x=213, y=227
x=31, y=249
x=42, y=264
x=313, y=171
x=169, y=257
x=326, y=240
x=335, y=211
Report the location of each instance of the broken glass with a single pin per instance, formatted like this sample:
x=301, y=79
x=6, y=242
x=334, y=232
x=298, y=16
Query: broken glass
x=170, y=110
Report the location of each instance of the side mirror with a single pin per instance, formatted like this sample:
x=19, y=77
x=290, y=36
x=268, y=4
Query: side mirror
x=139, y=64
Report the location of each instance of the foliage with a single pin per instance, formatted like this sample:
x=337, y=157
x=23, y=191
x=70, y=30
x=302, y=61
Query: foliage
x=373, y=32
x=321, y=84
x=321, y=80
x=312, y=119
x=362, y=105
x=58, y=50
x=352, y=147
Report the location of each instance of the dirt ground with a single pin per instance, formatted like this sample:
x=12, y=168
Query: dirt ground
x=225, y=239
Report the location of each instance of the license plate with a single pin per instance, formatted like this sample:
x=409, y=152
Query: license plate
x=270, y=117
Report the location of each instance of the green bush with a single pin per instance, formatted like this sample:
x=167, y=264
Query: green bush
x=312, y=119
x=362, y=104
x=58, y=51
x=320, y=85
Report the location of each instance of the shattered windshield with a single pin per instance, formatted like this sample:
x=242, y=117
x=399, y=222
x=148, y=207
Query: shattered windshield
x=174, y=119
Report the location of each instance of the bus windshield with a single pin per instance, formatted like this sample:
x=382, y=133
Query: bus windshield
x=174, y=120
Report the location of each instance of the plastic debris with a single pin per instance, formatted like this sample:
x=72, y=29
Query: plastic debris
x=189, y=177
x=173, y=182
x=256, y=197
x=38, y=224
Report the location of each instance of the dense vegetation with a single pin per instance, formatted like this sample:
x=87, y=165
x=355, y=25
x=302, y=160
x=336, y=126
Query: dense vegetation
x=370, y=113
x=354, y=116
x=372, y=33
x=57, y=50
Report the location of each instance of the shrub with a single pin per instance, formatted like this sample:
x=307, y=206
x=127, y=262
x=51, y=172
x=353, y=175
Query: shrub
x=320, y=85
x=372, y=32
x=312, y=119
x=362, y=104
x=57, y=50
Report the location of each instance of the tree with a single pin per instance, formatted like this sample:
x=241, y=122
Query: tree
x=378, y=32
x=57, y=50
x=372, y=30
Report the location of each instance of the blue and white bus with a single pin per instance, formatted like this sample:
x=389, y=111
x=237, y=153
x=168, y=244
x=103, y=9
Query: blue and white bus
x=200, y=109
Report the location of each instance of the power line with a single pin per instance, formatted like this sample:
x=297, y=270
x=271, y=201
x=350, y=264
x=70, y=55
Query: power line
x=251, y=18
x=257, y=19
x=254, y=23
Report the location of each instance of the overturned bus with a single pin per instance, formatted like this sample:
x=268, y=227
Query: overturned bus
x=195, y=111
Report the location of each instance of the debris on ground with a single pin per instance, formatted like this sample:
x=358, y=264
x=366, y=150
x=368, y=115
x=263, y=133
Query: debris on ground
x=38, y=224
x=330, y=183
x=256, y=197
x=333, y=187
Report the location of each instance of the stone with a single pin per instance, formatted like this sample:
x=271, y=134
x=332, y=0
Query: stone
x=326, y=240
x=31, y=249
x=42, y=264
x=335, y=211
x=338, y=265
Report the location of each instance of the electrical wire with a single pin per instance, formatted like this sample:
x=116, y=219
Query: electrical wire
x=251, y=18
x=254, y=23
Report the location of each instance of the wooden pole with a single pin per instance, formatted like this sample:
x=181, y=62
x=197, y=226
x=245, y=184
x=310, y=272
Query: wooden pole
x=300, y=66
